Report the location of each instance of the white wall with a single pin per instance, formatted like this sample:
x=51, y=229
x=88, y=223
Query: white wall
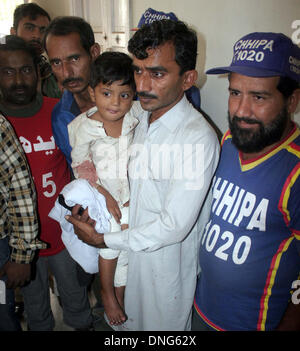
x=55, y=7
x=219, y=23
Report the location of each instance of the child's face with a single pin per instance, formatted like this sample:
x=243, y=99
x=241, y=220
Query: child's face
x=113, y=101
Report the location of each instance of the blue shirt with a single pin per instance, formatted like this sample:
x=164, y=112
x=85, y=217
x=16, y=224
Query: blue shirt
x=63, y=113
x=249, y=251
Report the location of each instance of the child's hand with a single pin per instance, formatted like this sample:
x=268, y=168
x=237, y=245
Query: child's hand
x=113, y=207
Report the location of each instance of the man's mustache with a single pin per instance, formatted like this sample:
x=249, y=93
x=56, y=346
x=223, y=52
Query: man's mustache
x=70, y=80
x=36, y=44
x=146, y=95
x=17, y=87
x=35, y=41
x=246, y=120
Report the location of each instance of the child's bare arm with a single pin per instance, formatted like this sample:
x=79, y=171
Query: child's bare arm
x=111, y=203
x=87, y=170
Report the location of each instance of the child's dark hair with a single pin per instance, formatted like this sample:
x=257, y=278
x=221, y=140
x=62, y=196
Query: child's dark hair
x=112, y=66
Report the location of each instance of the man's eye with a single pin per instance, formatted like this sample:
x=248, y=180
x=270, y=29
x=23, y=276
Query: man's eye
x=8, y=72
x=233, y=92
x=55, y=63
x=259, y=97
x=137, y=70
x=157, y=74
x=74, y=58
x=27, y=69
x=29, y=27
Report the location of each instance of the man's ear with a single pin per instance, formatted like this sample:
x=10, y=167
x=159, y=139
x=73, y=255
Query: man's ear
x=13, y=31
x=95, y=51
x=92, y=93
x=293, y=101
x=190, y=78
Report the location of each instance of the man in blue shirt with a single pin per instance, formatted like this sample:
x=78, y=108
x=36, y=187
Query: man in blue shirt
x=249, y=250
x=71, y=48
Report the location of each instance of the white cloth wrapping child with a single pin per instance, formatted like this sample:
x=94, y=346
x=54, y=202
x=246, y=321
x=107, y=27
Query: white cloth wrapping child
x=79, y=191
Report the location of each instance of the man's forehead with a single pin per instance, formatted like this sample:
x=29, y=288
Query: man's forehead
x=39, y=20
x=164, y=53
x=15, y=58
x=240, y=79
x=60, y=44
x=70, y=38
x=167, y=49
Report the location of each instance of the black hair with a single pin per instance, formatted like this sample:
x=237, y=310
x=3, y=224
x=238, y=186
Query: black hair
x=287, y=86
x=14, y=43
x=65, y=25
x=30, y=10
x=112, y=66
x=160, y=32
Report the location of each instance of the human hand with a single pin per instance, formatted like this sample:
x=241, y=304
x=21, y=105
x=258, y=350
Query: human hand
x=17, y=273
x=84, y=228
x=290, y=321
x=113, y=207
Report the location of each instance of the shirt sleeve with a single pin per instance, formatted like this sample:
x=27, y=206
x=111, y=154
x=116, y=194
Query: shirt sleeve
x=181, y=206
x=18, y=212
x=80, y=140
x=136, y=110
x=59, y=122
x=293, y=204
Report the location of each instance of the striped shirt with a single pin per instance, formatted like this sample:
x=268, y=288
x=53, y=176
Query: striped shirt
x=18, y=216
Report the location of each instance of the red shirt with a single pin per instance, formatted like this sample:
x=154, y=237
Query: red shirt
x=48, y=167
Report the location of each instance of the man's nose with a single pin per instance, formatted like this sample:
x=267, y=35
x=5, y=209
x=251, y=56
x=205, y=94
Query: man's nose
x=37, y=34
x=243, y=108
x=143, y=82
x=19, y=78
x=67, y=70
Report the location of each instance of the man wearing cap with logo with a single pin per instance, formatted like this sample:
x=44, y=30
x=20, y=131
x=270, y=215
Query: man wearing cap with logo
x=249, y=250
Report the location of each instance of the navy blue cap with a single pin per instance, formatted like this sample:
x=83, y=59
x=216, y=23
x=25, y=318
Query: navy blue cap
x=264, y=55
x=151, y=15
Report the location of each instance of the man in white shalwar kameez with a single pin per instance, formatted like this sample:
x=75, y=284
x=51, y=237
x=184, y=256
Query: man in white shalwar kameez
x=173, y=159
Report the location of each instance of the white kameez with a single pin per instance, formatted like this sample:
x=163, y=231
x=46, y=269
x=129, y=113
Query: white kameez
x=164, y=224
x=90, y=142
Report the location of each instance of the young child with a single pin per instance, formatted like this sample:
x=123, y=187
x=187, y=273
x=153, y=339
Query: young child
x=99, y=139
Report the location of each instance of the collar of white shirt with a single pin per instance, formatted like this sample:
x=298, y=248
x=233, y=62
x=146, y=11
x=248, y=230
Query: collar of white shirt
x=173, y=117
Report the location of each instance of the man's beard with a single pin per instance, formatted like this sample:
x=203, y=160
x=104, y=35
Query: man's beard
x=37, y=46
x=14, y=97
x=249, y=141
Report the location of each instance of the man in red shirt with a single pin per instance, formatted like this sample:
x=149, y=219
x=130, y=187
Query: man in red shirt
x=30, y=114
